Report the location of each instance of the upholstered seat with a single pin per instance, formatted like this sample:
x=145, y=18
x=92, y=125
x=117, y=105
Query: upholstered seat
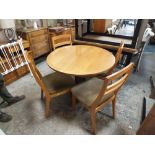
x=89, y=90
x=56, y=82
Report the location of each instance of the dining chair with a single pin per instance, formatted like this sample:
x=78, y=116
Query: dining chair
x=52, y=85
x=95, y=93
x=60, y=40
x=117, y=59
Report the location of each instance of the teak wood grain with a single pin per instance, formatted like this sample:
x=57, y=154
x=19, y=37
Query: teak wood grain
x=80, y=60
x=38, y=40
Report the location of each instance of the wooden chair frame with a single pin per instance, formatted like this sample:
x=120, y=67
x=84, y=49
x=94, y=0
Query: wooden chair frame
x=117, y=58
x=108, y=87
x=44, y=91
x=60, y=40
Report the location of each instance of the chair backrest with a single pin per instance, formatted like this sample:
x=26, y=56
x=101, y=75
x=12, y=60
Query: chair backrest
x=60, y=40
x=117, y=57
x=114, y=82
x=36, y=73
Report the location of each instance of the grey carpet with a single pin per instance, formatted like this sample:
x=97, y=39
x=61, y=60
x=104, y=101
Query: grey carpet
x=28, y=115
x=149, y=48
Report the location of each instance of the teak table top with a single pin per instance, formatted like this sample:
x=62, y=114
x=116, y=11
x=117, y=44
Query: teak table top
x=80, y=60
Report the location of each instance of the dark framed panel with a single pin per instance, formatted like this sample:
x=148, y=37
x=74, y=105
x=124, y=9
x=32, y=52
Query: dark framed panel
x=132, y=39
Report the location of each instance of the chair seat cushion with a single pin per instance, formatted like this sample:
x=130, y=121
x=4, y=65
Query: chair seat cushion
x=89, y=90
x=56, y=82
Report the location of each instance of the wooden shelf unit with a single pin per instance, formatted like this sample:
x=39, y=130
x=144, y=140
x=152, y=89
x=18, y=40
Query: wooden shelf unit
x=38, y=40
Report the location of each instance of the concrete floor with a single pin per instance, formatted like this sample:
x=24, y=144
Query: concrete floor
x=28, y=115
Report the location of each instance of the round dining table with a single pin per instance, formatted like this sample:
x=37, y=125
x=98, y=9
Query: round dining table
x=80, y=60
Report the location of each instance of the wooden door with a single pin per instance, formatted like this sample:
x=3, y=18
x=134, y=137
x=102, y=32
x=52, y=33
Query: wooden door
x=99, y=25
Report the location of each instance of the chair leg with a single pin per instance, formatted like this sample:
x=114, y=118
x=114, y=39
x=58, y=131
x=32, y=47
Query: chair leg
x=73, y=102
x=47, y=106
x=42, y=95
x=93, y=121
x=114, y=107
